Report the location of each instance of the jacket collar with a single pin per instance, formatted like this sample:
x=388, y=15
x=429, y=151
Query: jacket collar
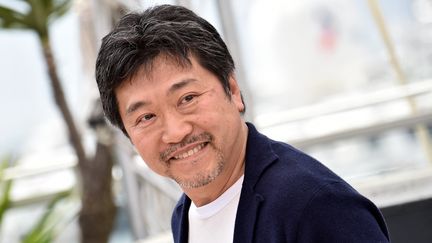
x=259, y=156
x=181, y=229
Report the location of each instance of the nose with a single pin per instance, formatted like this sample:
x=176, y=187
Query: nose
x=176, y=128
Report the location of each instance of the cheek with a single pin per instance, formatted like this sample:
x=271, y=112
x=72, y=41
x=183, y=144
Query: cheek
x=206, y=117
x=215, y=114
x=147, y=149
x=150, y=155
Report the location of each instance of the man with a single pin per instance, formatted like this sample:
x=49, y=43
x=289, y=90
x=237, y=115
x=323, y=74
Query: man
x=166, y=79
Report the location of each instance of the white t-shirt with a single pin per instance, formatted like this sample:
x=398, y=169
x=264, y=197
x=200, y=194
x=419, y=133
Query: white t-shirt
x=214, y=222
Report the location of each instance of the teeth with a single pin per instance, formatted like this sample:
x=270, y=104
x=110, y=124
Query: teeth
x=190, y=152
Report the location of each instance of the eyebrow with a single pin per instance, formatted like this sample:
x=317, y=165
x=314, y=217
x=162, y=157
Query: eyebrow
x=135, y=106
x=180, y=85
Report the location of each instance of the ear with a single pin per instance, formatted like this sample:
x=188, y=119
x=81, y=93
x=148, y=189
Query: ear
x=235, y=93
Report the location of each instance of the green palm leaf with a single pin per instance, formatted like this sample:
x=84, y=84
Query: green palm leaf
x=10, y=18
x=5, y=189
x=40, y=14
x=47, y=227
x=60, y=8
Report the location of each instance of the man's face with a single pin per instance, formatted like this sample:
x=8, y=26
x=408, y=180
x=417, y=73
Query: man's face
x=182, y=123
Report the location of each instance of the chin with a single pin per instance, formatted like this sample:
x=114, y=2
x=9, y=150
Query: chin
x=200, y=179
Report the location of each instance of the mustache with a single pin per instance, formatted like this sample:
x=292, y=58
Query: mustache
x=205, y=136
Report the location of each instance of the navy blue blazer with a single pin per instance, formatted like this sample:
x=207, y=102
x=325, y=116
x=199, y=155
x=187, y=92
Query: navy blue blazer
x=288, y=197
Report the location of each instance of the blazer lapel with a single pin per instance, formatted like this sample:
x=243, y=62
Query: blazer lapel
x=246, y=216
x=259, y=156
x=181, y=230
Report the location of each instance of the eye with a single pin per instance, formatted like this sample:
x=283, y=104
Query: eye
x=188, y=98
x=146, y=118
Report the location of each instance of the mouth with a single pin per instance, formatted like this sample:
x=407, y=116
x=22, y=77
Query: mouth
x=190, y=152
x=189, y=147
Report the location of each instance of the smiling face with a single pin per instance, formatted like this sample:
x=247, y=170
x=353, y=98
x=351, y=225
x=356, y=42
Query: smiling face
x=183, y=124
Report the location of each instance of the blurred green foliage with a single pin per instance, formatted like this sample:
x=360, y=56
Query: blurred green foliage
x=49, y=225
x=40, y=14
x=53, y=220
x=5, y=188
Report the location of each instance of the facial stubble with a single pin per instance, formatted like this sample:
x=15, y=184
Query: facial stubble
x=201, y=178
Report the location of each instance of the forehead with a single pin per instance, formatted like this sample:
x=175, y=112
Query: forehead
x=163, y=63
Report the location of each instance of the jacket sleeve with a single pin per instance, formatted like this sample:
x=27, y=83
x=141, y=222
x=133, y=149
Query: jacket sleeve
x=337, y=213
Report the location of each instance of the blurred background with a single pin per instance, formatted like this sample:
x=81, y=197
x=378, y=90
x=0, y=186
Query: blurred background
x=348, y=82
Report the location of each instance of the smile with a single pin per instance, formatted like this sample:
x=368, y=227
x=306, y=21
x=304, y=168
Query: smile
x=190, y=152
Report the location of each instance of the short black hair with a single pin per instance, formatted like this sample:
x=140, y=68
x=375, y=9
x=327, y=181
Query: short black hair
x=140, y=37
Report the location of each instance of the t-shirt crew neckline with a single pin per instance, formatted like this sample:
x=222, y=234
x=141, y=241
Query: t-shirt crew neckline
x=223, y=200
